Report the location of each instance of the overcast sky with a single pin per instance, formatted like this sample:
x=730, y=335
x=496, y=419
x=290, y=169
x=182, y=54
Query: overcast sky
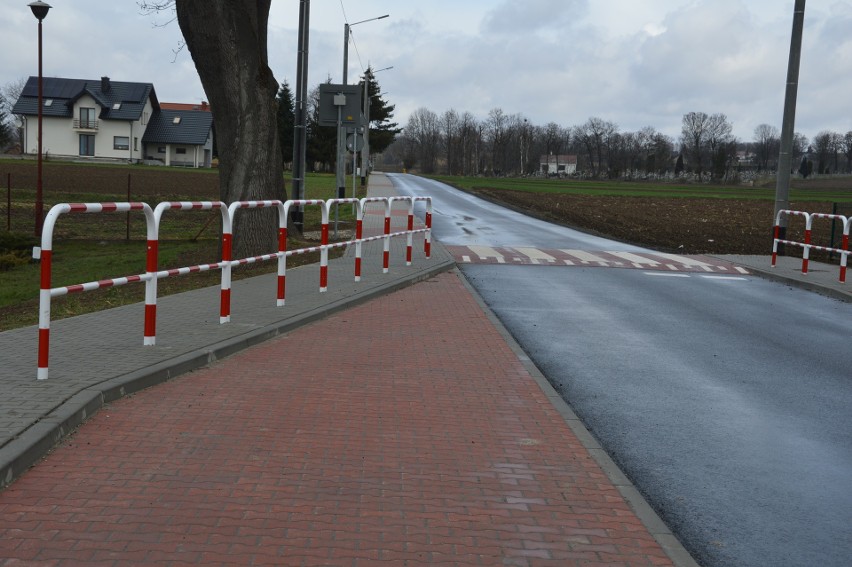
x=635, y=62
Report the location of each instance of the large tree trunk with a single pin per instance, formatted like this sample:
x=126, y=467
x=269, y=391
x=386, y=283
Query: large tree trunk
x=228, y=43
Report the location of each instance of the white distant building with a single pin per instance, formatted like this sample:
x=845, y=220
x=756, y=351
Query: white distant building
x=558, y=164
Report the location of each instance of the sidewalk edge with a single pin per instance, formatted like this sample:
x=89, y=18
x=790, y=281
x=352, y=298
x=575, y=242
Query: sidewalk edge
x=34, y=443
x=649, y=518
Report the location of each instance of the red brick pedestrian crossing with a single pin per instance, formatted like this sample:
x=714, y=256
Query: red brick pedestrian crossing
x=521, y=255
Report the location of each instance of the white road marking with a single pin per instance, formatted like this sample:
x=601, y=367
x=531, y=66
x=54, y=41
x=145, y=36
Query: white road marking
x=535, y=255
x=727, y=278
x=485, y=252
x=683, y=260
x=666, y=275
x=742, y=270
x=586, y=257
x=634, y=259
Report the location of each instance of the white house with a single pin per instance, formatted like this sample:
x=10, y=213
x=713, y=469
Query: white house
x=558, y=164
x=112, y=120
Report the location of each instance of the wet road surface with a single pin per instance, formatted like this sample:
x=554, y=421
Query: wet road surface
x=725, y=398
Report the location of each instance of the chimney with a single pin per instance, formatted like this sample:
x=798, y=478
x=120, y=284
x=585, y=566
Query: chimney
x=204, y=105
x=105, y=84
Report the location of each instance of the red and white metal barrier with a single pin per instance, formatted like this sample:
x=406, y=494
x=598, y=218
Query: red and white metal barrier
x=152, y=274
x=806, y=245
x=46, y=254
x=152, y=259
x=227, y=252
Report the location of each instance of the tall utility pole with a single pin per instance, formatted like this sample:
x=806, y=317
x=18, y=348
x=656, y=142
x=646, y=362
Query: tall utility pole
x=300, y=131
x=341, y=136
x=782, y=188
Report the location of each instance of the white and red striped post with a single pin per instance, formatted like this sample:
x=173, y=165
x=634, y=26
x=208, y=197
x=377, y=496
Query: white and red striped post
x=807, y=253
x=227, y=256
x=410, y=237
x=359, y=234
x=427, y=241
x=386, y=240
x=844, y=255
x=282, y=255
x=46, y=292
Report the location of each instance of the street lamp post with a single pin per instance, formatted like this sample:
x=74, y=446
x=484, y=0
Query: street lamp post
x=40, y=10
x=341, y=142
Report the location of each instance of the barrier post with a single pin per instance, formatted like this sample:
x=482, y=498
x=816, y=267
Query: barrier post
x=409, y=237
x=427, y=242
x=807, y=253
x=845, y=249
x=282, y=256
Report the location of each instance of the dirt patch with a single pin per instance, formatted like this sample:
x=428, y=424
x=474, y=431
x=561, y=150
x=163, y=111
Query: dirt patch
x=683, y=225
x=112, y=182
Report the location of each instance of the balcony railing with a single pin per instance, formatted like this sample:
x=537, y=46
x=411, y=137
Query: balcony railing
x=85, y=124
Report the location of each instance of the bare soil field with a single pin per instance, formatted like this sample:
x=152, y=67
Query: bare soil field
x=145, y=182
x=682, y=225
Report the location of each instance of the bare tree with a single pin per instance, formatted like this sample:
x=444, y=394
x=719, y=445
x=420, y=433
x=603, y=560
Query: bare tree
x=468, y=127
x=824, y=143
x=847, y=150
x=449, y=128
x=496, y=134
x=718, y=143
x=594, y=136
x=10, y=93
x=424, y=131
x=227, y=40
x=767, y=144
x=693, y=137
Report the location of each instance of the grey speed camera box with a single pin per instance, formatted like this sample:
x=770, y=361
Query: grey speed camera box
x=345, y=97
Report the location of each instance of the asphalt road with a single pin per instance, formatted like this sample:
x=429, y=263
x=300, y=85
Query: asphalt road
x=726, y=400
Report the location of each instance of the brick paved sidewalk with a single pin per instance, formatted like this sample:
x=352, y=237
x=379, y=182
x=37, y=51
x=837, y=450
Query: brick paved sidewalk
x=404, y=431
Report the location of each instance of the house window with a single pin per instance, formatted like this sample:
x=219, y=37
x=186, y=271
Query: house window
x=144, y=118
x=135, y=144
x=87, y=145
x=120, y=143
x=161, y=150
x=87, y=117
x=180, y=150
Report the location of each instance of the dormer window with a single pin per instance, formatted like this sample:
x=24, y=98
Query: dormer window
x=116, y=106
x=48, y=102
x=176, y=120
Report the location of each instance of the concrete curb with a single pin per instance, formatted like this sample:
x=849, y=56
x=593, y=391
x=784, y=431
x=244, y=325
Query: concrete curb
x=38, y=440
x=646, y=514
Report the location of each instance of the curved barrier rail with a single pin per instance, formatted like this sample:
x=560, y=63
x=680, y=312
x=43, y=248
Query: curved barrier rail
x=806, y=245
x=153, y=258
x=46, y=254
x=152, y=273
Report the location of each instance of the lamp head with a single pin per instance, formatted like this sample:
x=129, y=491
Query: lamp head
x=40, y=9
